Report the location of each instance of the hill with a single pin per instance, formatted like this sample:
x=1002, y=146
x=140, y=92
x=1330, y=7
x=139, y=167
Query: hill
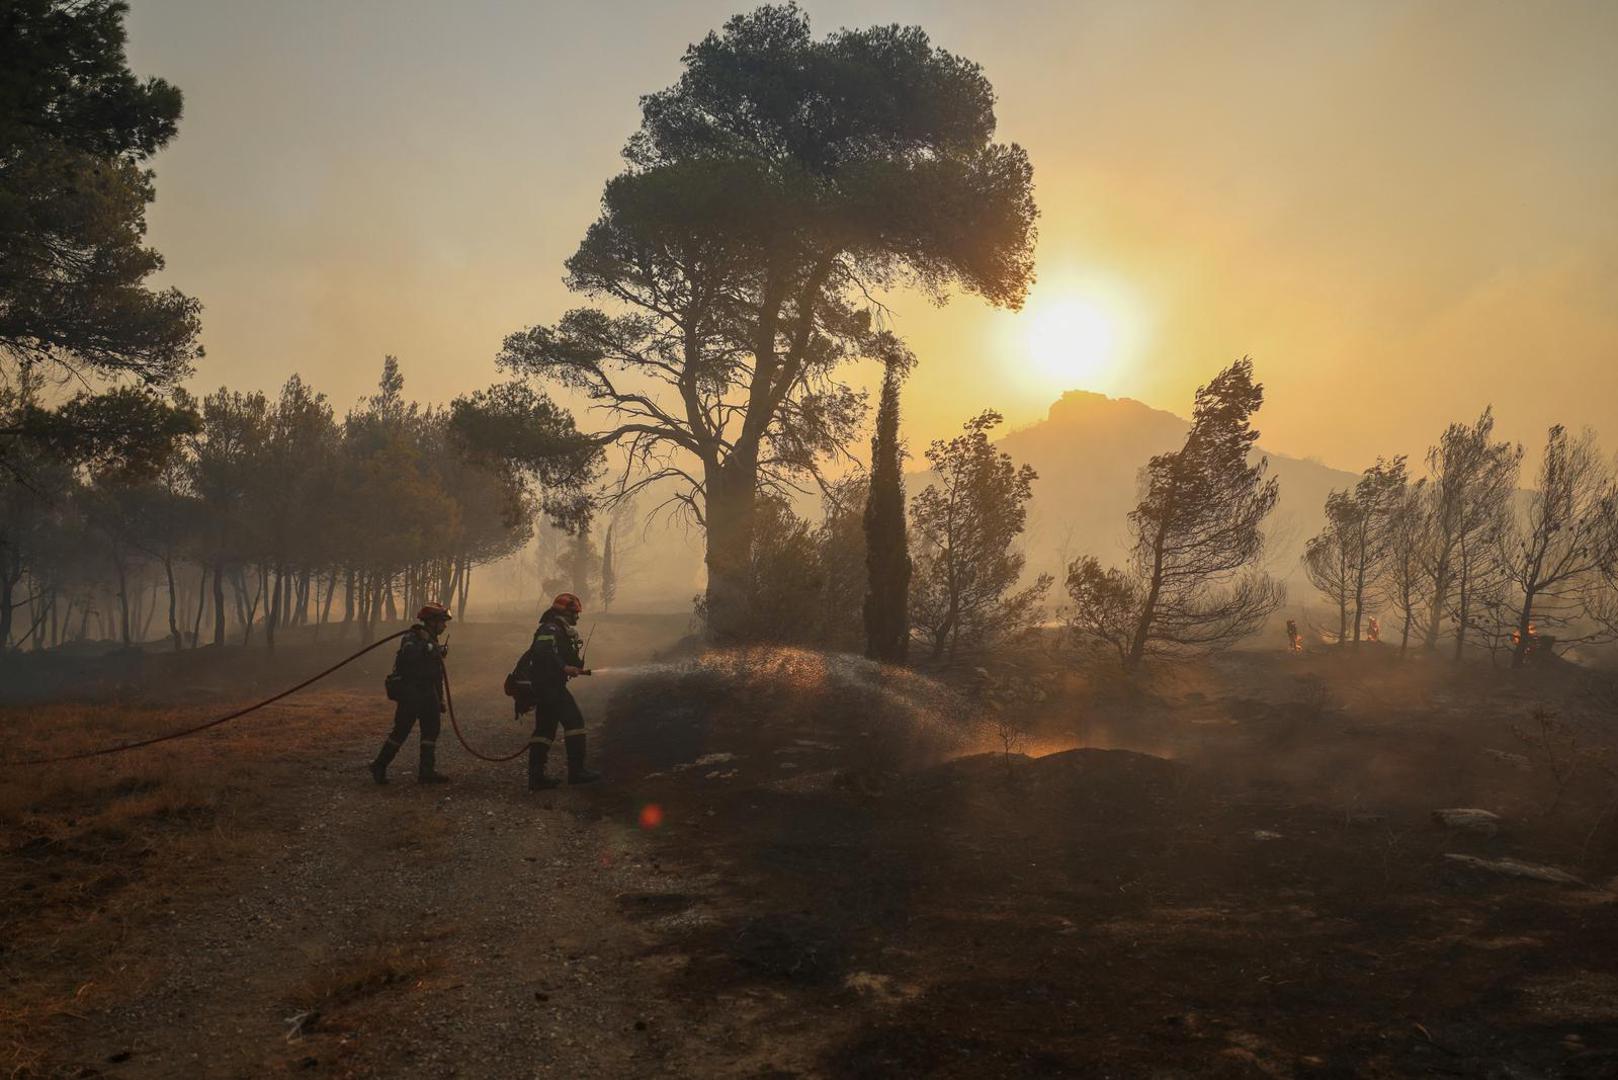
x=1089, y=451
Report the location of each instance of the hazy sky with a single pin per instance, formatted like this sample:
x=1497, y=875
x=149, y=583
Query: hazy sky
x=1402, y=211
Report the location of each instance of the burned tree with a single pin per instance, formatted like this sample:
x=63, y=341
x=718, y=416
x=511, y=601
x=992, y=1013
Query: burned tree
x=1472, y=478
x=1328, y=556
x=1190, y=584
x=1403, y=583
x=1347, y=559
x=1557, y=551
x=769, y=193
x=887, y=548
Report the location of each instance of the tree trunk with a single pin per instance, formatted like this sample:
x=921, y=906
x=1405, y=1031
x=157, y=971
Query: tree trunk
x=218, y=601
x=123, y=598
x=1441, y=584
x=466, y=587
x=730, y=509
x=202, y=607
x=148, y=612
x=1463, y=604
x=272, y=613
x=348, y=597
x=1359, y=586
x=325, y=609
x=1148, y=610
x=174, y=615
x=7, y=587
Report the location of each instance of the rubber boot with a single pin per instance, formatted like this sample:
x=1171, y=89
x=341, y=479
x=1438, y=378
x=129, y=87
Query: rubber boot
x=538, y=752
x=576, y=772
x=379, y=767
x=426, y=774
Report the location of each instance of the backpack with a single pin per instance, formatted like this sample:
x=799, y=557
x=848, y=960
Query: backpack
x=519, y=686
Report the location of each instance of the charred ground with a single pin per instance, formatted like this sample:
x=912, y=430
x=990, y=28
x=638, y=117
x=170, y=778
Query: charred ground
x=806, y=866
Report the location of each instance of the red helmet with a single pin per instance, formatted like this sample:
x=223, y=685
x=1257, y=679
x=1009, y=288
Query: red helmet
x=433, y=611
x=569, y=603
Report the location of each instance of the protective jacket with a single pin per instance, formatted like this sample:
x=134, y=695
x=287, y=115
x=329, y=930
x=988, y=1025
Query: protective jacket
x=556, y=646
x=420, y=663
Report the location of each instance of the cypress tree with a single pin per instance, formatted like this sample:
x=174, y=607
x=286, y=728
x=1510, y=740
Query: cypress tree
x=609, y=574
x=887, y=555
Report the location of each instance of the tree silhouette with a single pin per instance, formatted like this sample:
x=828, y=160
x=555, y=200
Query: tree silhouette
x=768, y=195
x=964, y=527
x=1472, y=478
x=887, y=548
x=1191, y=584
x=1558, y=549
x=76, y=128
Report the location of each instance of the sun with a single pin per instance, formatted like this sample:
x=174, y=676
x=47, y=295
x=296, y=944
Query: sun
x=1073, y=341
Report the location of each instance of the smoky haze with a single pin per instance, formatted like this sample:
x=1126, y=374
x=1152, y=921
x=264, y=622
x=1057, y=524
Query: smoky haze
x=1398, y=209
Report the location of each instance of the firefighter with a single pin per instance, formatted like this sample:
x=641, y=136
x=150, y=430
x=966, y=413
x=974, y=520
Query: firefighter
x=1294, y=642
x=417, y=684
x=1374, y=633
x=556, y=657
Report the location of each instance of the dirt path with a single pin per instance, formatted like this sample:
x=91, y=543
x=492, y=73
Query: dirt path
x=467, y=929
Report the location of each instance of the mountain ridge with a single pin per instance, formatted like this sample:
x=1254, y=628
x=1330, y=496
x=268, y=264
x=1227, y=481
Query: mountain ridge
x=1089, y=451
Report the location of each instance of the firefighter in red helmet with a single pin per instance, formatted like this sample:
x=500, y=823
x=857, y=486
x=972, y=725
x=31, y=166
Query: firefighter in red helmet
x=417, y=685
x=555, y=657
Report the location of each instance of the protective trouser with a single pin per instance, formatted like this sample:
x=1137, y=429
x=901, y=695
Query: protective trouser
x=405, y=716
x=556, y=707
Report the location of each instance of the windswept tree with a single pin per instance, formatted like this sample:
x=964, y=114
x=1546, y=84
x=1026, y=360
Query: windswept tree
x=887, y=547
x=768, y=194
x=1472, y=478
x=1191, y=584
x=964, y=526
x=1557, y=551
x=76, y=130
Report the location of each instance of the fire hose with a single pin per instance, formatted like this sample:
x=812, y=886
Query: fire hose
x=217, y=721
x=449, y=702
x=195, y=729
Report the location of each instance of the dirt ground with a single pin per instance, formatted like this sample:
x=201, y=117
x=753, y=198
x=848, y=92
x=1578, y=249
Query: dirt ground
x=805, y=866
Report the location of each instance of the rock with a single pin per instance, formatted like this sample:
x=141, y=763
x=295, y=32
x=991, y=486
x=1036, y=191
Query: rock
x=1518, y=869
x=1265, y=834
x=1516, y=761
x=1469, y=819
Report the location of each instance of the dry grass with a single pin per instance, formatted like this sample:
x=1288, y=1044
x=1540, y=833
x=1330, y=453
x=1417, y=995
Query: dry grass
x=89, y=849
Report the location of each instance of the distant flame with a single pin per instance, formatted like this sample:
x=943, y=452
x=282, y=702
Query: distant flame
x=1516, y=637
